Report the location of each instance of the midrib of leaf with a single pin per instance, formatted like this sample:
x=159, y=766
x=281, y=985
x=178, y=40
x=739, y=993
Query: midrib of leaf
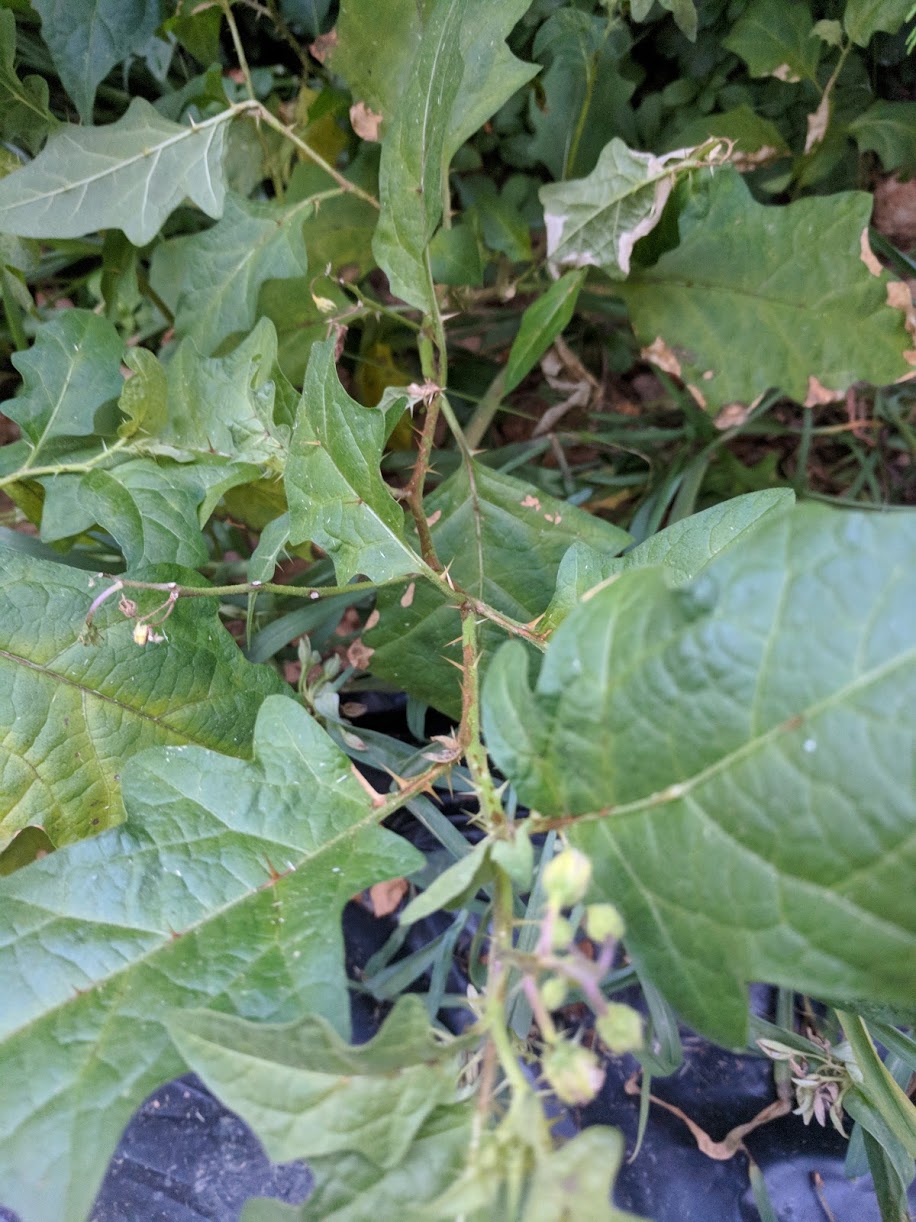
x=682, y=789
x=90, y=692
x=157, y=149
x=736, y=290
x=55, y=412
x=212, y=914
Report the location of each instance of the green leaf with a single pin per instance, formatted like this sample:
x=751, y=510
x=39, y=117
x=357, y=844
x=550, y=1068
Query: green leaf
x=87, y=38
x=454, y=257
x=129, y=175
x=776, y=39
x=575, y=1180
x=69, y=374
x=351, y=1188
x=410, y=177
x=337, y=497
x=541, y=323
x=76, y=712
x=459, y=883
x=227, y=405
x=307, y=1093
x=223, y=889
x=793, y=273
x=583, y=93
x=376, y=70
x=460, y=74
x=749, y=132
x=596, y=221
x=684, y=548
x=144, y=397
x=864, y=18
x=156, y=510
x=24, y=113
x=488, y=520
x=888, y=129
x=225, y=267
x=749, y=728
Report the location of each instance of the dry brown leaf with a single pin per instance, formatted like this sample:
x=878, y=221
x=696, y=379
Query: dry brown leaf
x=365, y=122
x=818, y=122
x=323, y=45
x=385, y=898
x=819, y=395
x=358, y=655
x=661, y=355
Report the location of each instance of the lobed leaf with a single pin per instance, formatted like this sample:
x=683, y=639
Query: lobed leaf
x=24, y=113
x=129, y=175
x=742, y=751
x=337, y=497
x=776, y=39
x=74, y=712
x=864, y=18
x=596, y=221
x=87, y=38
x=487, y=521
x=223, y=889
x=793, y=274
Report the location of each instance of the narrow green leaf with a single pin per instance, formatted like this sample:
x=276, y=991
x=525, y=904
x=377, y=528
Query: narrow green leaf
x=596, y=221
x=71, y=371
x=129, y=175
x=879, y=1088
x=795, y=273
x=410, y=177
x=87, y=38
x=223, y=889
x=307, y=1093
x=460, y=882
x=225, y=267
x=730, y=728
x=487, y=520
x=541, y=323
x=776, y=39
x=76, y=712
x=864, y=18
x=888, y=129
x=337, y=497
x=24, y=113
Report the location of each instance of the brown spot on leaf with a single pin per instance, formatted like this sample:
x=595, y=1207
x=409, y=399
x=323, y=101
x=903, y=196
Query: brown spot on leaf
x=819, y=395
x=868, y=255
x=323, y=45
x=407, y=596
x=365, y=122
x=661, y=355
x=373, y=619
x=358, y=655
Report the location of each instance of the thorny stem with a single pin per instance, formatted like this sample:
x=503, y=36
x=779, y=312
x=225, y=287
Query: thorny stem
x=239, y=48
x=413, y=493
x=278, y=125
x=491, y=810
x=26, y=471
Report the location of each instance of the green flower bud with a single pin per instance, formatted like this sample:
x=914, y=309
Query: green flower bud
x=561, y=933
x=554, y=992
x=575, y=1074
x=620, y=1028
x=603, y=921
x=566, y=878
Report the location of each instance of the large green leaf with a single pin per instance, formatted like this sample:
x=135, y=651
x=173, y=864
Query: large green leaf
x=864, y=18
x=223, y=889
x=486, y=522
x=71, y=371
x=684, y=548
x=350, y=1187
x=410, y=176
x=742, y=751
x=776, y=39
x=337, y=497
x=541, y=323
x=24, y=113
x=72, y=713
x=225, y=266
x=888, y=129
x=129, y=175
x=307, y=1093
x=87, y=38
x=583, y=94
x=793, y=274
x=461, y=72
x=596, y=221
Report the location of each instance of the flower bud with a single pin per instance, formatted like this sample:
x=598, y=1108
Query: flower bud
x=574, y=1073
x=603, y=921
x=561, y=933
x=620, y=1028
x=554, y=992
x=566, y=878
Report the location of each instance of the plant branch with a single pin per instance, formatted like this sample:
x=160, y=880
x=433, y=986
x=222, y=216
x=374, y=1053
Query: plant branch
x=264, y=115
x=239, y=48
x=491, y=809
x=27, y=471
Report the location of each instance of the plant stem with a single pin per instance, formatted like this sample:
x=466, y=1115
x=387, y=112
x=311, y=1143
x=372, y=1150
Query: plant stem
x=491, y=810
x=239, y=48
x=278, y=125
x=27, y=471
x=253, y=587
x=413, y=493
